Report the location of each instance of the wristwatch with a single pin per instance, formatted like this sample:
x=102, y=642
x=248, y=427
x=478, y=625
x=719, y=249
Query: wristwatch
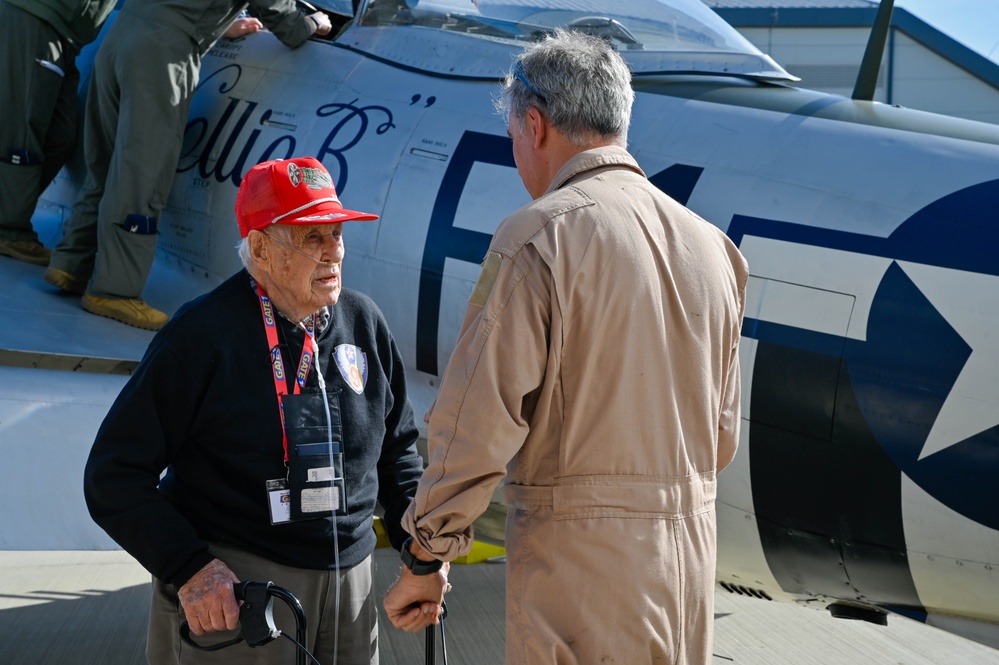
x=416, y=566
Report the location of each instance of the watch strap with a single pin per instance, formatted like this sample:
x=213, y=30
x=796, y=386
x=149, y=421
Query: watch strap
x=416, y=566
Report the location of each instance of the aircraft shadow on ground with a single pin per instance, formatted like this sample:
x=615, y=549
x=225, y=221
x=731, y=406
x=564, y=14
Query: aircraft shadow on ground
x=81, y=627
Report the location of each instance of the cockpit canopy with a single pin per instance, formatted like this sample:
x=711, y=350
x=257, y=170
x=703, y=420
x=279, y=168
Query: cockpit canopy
x=458, y=37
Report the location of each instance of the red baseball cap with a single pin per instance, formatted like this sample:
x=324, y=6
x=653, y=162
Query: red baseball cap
x=290, y=191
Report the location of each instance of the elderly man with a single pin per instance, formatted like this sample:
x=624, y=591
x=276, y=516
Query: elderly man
x=277, y=405
x=597, y=368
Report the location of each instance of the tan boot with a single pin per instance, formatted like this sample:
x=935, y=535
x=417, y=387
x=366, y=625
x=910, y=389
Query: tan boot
x=65, y=281
x=132, y=311
x=29, y=251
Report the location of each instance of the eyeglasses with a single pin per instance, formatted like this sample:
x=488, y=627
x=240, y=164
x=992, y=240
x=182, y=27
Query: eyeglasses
x=312, y=244
x=518, y=73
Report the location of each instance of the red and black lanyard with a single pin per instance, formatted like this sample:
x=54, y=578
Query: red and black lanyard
x=277, y=362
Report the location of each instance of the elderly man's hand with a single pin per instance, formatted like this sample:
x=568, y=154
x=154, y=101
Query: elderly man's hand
x=414, y=601
x=208, y=600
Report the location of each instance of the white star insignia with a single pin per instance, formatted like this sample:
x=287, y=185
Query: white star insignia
x=970, y=303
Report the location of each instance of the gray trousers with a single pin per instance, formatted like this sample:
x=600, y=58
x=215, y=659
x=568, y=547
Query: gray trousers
x=38, y=96
x=356, y=634
x=137, y=104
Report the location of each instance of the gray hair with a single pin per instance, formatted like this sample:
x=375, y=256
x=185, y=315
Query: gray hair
x=243, y=249
x=577, y=81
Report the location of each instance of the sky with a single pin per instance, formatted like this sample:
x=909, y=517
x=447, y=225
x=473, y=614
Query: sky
x=975, y=23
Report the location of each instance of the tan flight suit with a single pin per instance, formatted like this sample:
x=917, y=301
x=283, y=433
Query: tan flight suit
x=598, y=369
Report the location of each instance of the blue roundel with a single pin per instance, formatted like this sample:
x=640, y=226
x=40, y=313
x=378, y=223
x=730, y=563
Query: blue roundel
x=907, y=367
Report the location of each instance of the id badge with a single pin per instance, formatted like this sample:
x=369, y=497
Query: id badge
x=279, y=500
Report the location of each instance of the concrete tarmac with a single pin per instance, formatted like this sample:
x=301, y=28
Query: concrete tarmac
x=89, y=608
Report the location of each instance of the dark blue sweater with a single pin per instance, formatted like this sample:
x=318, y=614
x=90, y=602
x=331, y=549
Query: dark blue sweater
x=202, y=405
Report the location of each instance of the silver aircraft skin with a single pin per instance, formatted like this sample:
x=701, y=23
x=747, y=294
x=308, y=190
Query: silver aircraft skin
x=865, y=480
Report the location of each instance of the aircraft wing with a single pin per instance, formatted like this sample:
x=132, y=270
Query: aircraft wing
x=865, y=478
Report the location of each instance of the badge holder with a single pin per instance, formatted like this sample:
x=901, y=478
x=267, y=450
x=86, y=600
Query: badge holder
x=315, y=486
x=315, y=479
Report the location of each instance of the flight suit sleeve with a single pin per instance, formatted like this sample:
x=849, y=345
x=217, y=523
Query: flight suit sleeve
x=730, y=417
x=478, y=423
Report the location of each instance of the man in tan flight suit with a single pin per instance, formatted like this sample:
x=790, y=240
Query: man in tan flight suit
x=597, y=368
